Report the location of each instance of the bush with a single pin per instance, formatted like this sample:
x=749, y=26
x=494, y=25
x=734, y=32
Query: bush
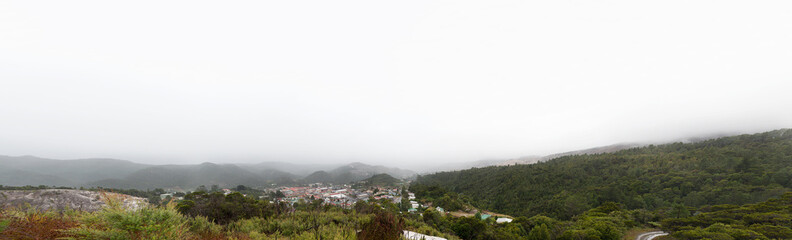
x=773, y=232
x=35, y=225
x=384, y=226
x=224, y=209
x=145, y=223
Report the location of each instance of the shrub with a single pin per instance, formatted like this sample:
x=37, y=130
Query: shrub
x=384, y=226
x=35, y=225
x=145, y=223
x=224, y=209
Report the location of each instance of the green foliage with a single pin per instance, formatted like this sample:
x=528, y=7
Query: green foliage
x=439, y=196
x=4, y=224
x=772, y=231
x=771, y=219
x=679, y=211
x=469, y=228
x=732, y=170
x=608, y=221
x=381, y=180
x=277, y=194
x=167, y=223
x=539, y=233
x=384, y=226
x=146, y=223
x=302, y=224
x=719, y=231
x=223, y=209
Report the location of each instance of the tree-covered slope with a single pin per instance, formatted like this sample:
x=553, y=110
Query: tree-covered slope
x=188, y=176
x=771, y=219
x=382, y=179
x=730, y=170
x=354, y=172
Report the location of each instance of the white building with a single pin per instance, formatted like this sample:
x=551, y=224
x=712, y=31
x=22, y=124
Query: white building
x=417, y=236
x=338, y=196
x=166, y=195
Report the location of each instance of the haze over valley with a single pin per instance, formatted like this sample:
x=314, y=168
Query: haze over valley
x=392, y=120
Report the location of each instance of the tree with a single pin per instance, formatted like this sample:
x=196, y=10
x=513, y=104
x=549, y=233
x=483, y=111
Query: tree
x=679, y=211
x=223, y=209
x=539, y=233
x=278, y=194
x=384, y=226
x=404, y=205
x=431, y=217
x=469, y=228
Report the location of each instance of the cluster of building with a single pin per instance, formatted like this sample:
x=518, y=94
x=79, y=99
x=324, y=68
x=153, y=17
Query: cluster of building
x=414, y=205
x=338, y=195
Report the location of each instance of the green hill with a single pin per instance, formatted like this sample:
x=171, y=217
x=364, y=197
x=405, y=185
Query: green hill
x=382, y=179
x=189, y=176
x=730, y=170
x=318, y=177
x=354, y=172
x=29, y=170
x=113, y=173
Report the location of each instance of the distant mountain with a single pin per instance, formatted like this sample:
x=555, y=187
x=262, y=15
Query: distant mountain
x=113, y=173
x=298, y=170
x=277, y=176
x=319, y=177
x=382, y=179
x=186, y=176
x=596, y=150
x=358, y=171
x=535, y=158
x=355, y=172
x=452, y=166
x=526, y=159
x=29, y=170
x=16, y=177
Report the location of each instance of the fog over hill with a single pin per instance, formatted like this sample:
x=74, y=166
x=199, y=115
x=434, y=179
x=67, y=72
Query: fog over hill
x=537, y=158
x=113, y=173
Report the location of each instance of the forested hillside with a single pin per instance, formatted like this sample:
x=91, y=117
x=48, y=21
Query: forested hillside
x=765, y=220
x=382, y=179
x=731, y=170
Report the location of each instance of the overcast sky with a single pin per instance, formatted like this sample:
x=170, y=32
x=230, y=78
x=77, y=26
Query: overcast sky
x=401, y=83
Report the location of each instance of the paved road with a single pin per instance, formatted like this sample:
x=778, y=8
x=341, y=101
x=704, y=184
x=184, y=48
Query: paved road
x=650, y=235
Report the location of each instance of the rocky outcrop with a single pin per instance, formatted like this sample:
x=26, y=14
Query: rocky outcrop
x=62, y=199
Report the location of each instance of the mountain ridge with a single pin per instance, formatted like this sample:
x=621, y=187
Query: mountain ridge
x=115, y=173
